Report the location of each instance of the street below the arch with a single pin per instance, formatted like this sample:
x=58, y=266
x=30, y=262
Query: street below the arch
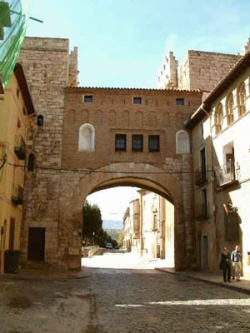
x=121, y=293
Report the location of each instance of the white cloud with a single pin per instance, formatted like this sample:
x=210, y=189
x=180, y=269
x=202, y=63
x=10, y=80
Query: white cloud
x=113, y=202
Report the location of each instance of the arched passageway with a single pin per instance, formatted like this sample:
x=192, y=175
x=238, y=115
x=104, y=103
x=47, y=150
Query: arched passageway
x=146, y=176
x=146, y=218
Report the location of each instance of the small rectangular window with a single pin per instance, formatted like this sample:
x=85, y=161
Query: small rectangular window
x=180, y=101
x=137, y=142
x=120, y=142
x=137, y=100
x=154, y=143
x=88, y=98
x=202, y=130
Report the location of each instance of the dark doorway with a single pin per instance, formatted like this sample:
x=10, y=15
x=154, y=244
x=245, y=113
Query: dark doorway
x=204, y=252
x=36, y=244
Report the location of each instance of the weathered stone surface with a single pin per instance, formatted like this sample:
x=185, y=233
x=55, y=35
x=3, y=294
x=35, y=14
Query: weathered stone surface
x=65, y=176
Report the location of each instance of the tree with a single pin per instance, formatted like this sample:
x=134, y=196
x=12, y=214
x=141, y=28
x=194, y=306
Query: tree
x=92, y=221
x=92, y=230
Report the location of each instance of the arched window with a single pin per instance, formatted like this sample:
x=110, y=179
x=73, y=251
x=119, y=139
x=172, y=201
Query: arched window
x=182, y=143
x=86, y=138
x=31, y=162
x=230, y=108
x=241, y=99
x=40, y=120
x=218, y=118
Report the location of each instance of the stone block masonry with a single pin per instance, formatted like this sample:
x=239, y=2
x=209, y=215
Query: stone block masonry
x=46, y=65
x=64, y=176
x=204, y=70
x=197, y=70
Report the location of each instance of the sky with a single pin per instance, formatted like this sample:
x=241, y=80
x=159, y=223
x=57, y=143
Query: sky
x=122, y=43
x=114, y=202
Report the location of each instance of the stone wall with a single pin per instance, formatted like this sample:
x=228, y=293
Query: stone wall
x=204, y=70
x=73, y=68
x=168, y=77
x=197, y=70
x=246, y=47
x=46, y=65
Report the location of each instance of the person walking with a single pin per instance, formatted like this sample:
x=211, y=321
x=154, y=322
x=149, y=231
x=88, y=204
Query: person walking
x=225, y=265
x=236, y=257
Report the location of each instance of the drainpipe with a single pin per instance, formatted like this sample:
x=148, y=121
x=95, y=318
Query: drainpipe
x=141, y=225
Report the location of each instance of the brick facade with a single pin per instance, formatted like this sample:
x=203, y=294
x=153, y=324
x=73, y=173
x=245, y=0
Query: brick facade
x=62, y=179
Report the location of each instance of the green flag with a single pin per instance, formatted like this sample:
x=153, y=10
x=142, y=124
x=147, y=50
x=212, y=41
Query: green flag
x=14, y=15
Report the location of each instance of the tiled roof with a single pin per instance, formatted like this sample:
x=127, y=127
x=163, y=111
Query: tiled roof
x=75, y=89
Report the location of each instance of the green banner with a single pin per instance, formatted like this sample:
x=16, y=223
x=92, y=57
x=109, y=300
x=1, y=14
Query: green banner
x=14, y=15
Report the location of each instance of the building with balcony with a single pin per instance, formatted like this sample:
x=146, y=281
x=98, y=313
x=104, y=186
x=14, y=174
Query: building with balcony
x=149, y=227
x=221, y=161
x=16, y=111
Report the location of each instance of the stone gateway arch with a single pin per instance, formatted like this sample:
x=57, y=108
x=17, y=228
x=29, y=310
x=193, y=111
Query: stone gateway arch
x=96, y=138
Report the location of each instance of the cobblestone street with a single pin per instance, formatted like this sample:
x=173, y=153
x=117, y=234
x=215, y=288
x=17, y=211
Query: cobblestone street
x=110, y=298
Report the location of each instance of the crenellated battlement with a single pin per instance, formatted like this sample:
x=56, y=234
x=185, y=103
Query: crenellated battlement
x=168, y=77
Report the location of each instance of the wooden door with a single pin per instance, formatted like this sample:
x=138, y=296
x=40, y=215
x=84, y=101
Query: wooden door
x=36, y=245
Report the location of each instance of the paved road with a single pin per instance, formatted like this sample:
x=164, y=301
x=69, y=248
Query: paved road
x=116, y=299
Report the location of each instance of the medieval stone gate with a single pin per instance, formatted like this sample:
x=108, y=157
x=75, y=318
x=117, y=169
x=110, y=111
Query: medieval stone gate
x=87, y=139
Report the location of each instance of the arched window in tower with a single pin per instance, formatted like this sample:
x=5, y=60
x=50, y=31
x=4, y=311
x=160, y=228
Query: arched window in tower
x=230, y=109
x=86, y=138
x=40, y=120
x=241, y=99
x=182, y=142
x=31, y=162
x=218, y=118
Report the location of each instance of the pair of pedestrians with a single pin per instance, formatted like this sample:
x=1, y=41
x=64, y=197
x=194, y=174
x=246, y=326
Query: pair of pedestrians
x=231, y=262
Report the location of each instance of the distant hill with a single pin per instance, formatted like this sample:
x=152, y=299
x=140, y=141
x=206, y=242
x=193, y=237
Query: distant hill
x=108, y=224
x=114, y=233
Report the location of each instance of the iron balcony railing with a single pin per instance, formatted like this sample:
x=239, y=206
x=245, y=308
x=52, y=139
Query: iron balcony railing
x=226, y=173
x=200, y=176
x=19, y=147
x=17, y=195
x=202, y=212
